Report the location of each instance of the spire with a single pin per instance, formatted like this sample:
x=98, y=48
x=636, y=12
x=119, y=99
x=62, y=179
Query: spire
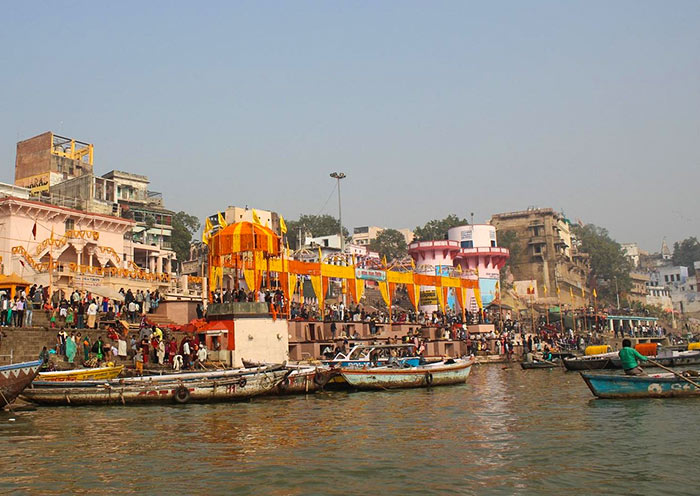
x=665, y=252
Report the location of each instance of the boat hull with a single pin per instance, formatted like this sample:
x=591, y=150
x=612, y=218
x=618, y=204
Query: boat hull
x=617, y=386
x=15, y=378
x=439, y=374
x=538, y=365
x=95, y=374
x=612, y=361
x=224, y=389
x=306, y=380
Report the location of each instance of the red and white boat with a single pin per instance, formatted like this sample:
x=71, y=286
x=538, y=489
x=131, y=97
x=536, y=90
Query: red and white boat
x=14, y=378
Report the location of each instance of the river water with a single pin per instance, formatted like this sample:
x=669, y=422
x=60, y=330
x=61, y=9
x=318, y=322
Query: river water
x=507, y=431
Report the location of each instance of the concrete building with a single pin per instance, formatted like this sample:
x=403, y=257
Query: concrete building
x=72, y=248
x=14, y=191
x=48, y=159
x=640, y=287
x=59, y=171
x=658, y=294
x=364, y=235
x=245, y=214
x=548, y=253
x=470, y=250
x=87, y=192
x=632, y=252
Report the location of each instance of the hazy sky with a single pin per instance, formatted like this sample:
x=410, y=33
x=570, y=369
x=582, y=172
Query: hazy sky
x=430, y=108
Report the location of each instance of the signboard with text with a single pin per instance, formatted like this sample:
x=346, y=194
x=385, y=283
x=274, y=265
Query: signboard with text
x=370, y=275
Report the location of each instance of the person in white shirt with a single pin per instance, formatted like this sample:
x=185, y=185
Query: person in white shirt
x=201, y=356
x=92, y=315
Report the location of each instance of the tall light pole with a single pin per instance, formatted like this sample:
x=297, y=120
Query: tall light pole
x=617, y=294
x=338, y=176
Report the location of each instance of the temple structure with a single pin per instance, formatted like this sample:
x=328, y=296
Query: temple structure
x=470, y=250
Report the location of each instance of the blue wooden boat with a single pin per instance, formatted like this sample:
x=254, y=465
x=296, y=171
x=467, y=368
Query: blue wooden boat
x=371, y=355
x=616, y=386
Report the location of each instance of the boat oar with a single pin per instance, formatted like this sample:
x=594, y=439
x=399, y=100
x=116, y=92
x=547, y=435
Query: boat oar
x=676, y=374
x=11, y=419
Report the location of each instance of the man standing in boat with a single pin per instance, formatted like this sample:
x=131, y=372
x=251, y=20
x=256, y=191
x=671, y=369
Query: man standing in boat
x=630, y=359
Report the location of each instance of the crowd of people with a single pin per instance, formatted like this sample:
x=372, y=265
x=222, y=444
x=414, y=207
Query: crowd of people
x=77, y=309
x=149, y=345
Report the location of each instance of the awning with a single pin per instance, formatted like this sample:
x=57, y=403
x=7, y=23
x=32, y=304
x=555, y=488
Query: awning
x=107, y=292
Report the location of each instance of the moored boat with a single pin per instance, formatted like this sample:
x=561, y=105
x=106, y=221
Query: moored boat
x=305, y=379
x=14, y=378
x=618, y=386
x=591, y=362
x=366, y=355
x=667, y=358
x=160, y=378
x=450, y=371
x=94, y=374
x=211, y=389
x=539, y=364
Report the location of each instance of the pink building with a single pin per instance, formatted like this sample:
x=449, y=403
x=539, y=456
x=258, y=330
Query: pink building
x=471, y=250
x=67, y=248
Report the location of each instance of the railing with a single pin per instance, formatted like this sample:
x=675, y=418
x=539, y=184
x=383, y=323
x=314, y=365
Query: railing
x=10, y=356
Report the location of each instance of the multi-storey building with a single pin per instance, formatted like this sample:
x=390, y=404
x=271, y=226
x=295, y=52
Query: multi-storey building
x=364, y=235
x=48, y=159
x=547, y=253
x=245, y=214
x=471, y=250
x=59, y=171
x=67, y=248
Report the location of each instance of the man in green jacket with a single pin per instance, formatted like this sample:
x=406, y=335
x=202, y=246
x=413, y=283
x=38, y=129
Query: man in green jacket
x=630, y=359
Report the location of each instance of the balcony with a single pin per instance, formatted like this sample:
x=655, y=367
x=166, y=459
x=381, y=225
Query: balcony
x=537, y=240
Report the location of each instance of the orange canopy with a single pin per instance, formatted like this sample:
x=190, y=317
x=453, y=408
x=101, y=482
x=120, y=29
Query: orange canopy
x=242, y=237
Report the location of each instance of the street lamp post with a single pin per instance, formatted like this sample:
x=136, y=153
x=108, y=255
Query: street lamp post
x=338, y=176
x=617, y=294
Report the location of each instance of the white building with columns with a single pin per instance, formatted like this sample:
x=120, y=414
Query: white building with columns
x=67, y=248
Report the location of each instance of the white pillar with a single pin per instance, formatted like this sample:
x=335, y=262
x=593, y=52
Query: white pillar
x=152, y=263
x=159, y=264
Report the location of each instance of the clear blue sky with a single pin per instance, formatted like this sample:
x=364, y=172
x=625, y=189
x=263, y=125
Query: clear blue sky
x=430, y=108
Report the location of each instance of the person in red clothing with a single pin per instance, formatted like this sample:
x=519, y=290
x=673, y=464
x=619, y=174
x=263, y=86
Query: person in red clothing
x=172, y=350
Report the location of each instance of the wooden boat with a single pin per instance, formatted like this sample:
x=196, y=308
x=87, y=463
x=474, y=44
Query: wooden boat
x=306, y=379
x=667, y=358
x=222, y=389
x=99, y=373
x=175, y=377
x=617, y=386
x=14, y=378
x=366, y=355
x=450, y=371
x=539, y=364
x=591, y=362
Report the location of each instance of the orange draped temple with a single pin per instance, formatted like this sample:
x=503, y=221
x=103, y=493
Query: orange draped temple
x=255, y=250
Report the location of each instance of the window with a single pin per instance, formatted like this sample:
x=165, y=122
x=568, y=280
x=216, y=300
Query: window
x=467, y=244
x=493, y=243
x=70, y=224
x=537, y=249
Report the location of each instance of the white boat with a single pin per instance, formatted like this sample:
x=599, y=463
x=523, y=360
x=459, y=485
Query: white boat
x=217, y=389
x=450, y=371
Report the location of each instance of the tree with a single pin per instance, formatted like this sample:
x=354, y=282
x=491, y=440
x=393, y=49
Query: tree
x=686, y=253
x=607, y=258
x=509, y=239
x=184, y=226
x=437, y=228
x=390, y=243
x=316, y=225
